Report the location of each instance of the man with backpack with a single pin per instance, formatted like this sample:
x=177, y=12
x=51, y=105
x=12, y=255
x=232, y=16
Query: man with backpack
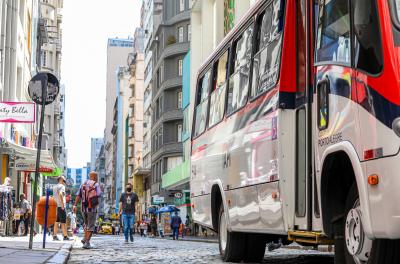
x=89, y=194
x=127, y=206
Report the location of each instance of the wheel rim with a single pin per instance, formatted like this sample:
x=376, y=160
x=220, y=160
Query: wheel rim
x=358, y=244
x=223, y=232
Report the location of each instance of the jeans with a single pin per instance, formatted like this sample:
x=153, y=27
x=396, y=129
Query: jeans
x=175, y=232
x=128, y=221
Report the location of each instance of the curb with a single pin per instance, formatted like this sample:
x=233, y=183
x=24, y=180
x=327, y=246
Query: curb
x=62, y=256
x=192, y=240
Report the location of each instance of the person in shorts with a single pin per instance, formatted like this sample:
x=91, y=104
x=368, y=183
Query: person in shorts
x=88, y=205
x=59, y=195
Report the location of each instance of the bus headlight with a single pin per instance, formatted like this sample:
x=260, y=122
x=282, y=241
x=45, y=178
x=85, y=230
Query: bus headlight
x=396, y=126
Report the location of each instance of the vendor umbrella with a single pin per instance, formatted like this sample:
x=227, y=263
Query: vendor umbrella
x=168, y=209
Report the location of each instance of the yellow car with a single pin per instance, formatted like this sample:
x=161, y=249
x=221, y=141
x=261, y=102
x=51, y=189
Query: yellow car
x=106, y=229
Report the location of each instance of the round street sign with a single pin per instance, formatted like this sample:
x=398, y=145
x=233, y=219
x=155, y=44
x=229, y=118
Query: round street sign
x=51, y=84
x=178, y=195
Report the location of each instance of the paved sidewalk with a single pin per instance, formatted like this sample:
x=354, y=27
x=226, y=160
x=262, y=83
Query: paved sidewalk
x=15, y=250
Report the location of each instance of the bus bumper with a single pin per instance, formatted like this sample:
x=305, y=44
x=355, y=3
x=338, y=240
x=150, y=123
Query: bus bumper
x=384, y=198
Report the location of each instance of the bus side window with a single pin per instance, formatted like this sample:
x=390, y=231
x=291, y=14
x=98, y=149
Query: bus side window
x=202, y=104
x=217, y=98
x=240, y=71
x=268, y=49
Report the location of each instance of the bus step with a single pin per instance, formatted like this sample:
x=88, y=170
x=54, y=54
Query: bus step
x=316, y=238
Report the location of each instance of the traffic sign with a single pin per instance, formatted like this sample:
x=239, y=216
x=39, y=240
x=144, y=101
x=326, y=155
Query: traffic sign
x=178, y=195
x=36, y=84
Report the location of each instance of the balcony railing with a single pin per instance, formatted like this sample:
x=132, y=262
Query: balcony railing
x=180, y=174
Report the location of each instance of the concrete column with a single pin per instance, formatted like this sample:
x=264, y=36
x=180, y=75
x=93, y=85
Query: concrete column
x=195, y=57
x=241, y=7
x=218, y=10
x=207, y=22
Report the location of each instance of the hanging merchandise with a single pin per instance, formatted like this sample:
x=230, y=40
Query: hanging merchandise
x=6, y=205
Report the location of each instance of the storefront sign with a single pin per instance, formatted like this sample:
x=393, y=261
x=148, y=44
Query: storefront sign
x=178, y=195
x=30, y=166
x=158, y=199
x=14, y=112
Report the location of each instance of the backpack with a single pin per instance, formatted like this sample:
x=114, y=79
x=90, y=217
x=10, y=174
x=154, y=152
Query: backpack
x=89, y=195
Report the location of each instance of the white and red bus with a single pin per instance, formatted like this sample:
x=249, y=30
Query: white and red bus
x=296, y=131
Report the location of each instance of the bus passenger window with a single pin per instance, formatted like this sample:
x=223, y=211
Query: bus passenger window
x=268, y=49
x=240, y=71
x=202, y=104
x=333, y=40
x=217, y=99
x=367, y=46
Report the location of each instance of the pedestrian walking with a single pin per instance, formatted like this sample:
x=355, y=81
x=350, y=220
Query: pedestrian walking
x=142, y=227
x=127, y=206
x=175, y=223
x=117, y=230
x=89, y=194
x=187, y=225
x=60, y=197
x=25, y=214
x=161, y=228
x=153, y=225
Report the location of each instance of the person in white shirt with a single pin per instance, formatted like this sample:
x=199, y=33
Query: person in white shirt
x=60, y=197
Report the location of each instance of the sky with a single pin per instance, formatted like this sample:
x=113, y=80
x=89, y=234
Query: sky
x=86, y=26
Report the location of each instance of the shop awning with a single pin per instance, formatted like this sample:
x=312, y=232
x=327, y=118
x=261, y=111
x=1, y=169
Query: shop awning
x=25, y=158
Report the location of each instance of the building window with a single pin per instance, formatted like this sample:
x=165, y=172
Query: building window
x=180, y=100
x=50, y=59
x=189, y=28
x=181, y=5
x=180, y=34
x=44, y=58
x=180, y=67
x=179, y=131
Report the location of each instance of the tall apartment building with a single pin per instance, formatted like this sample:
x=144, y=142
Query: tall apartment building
x=63, y=152
x=50, y=61
x=100, y=169
x=170, y=45
x=26, y=30
x=95, y=146
x=136, y=170
x=151, y=18
x=117, y=52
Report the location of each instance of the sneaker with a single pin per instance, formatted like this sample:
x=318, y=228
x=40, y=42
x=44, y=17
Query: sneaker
x=55, y=238
x=126, y=241
x=131, y=237
x=87, y=246
x=66, y=238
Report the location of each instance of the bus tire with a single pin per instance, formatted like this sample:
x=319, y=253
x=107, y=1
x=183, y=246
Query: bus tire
x=355, y=241
x=255, y=248
x=385, y=251
x=231, y=245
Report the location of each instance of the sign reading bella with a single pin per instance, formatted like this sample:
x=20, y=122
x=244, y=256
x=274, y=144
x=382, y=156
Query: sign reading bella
x=15, y=112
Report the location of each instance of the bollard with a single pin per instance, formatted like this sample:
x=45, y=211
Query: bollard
x=45, y=217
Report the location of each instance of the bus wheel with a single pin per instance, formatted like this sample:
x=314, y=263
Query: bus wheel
x=230, y=243
x=255, y=248
x=357, y=246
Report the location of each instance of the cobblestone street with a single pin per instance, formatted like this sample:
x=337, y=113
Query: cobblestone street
x=112, y=249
